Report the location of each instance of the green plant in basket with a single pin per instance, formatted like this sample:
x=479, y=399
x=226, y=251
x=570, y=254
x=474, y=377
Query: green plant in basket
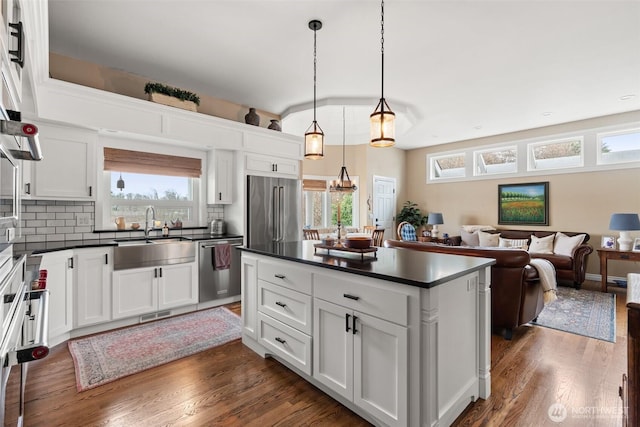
x=172, y=91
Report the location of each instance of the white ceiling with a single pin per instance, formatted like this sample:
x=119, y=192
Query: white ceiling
x=454, y=70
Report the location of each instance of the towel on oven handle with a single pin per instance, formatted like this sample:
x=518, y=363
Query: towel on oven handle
x=221, y=255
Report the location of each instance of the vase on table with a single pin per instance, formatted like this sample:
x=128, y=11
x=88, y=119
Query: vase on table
x=252, y=118
x=275, y=125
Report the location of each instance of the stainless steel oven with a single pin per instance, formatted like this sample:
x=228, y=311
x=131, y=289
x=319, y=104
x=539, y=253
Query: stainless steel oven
x=24, y=334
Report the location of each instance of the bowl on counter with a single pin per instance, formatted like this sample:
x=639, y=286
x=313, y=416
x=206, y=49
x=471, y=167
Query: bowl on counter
x=135, y=225
x=358, y=242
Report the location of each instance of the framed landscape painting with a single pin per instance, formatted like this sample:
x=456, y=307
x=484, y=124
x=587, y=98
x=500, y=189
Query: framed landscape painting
x=523, y=204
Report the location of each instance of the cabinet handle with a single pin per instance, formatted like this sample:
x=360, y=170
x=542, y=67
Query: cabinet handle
x=219, y=196
x=346, y=322
x=354, y=325
x=27, y=188
x=19, y=35
x=281, y=304
x=276, y=165
x=160, y=271
x=71, y=262
x=106, y=258
x=353, y=297
x=90, y=191
x=280, y=276
x=281, y=341
x=155, y=273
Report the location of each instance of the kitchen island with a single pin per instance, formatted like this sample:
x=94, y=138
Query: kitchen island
x=400, y=337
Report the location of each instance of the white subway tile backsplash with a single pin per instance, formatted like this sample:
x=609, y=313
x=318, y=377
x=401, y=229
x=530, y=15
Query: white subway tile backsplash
x=35, y=208
x=28, y=215
x=45, y=215
x=56, y=223
x=73, y=236
x=36, y=238
x=55, y=237
x=36, y=223
x=55, y=208
x=64, y=230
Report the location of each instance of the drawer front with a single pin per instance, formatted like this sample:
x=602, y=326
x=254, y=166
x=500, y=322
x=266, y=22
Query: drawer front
x=363, y=297
x=290, y=307
x=289, y=344
x=285, y=274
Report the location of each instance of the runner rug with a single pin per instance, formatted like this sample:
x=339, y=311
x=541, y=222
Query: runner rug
x=102, y=358
x=581, y=312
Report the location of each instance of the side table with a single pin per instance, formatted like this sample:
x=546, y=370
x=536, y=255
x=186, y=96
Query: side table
x=607, y=254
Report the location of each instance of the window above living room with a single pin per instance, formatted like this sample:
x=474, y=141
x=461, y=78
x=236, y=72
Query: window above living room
x=446, y=166
x=559, y=154
x=495, y=161
x=619, y=147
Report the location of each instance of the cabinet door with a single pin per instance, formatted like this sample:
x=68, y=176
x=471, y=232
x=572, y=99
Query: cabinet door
x=92, y=285
x=380, y=369
x=249, y=296
x=60, y=285
x=220, y=174
x=67, y=169
x=177, y=285
x=135, y=292
x=271, y=166
x=333, y=347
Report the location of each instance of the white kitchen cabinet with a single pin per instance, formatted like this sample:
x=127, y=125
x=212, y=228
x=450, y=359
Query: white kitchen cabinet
x=12, y=71
x=249, y=295
x=220, y=166
x=145, y=290
x=59, y=266
x=68, y=168
x=256, y=164
x=92, y=286
x=362, y=358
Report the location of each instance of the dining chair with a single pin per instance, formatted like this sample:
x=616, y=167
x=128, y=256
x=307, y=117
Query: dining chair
x=378, y=237
x=407, y=232
x=368, y=228
x=311, y=234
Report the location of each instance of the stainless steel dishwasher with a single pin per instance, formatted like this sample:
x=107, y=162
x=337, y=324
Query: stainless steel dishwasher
x=218, y=283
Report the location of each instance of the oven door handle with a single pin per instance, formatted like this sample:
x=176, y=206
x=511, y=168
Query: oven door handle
x=40, y=347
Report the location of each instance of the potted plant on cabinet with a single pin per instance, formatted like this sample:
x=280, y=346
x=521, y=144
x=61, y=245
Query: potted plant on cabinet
x=411, y=214
x=174, y=97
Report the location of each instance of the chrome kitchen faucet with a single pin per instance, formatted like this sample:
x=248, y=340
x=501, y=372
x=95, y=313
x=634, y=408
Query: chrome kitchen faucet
x=146, y=220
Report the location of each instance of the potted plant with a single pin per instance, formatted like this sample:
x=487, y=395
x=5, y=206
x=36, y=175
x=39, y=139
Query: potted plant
x=174, y=97
x=411, y=214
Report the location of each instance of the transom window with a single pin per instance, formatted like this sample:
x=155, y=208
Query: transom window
x=557, y=154
x=447, y=166
x=495, y=161
x=619, y=147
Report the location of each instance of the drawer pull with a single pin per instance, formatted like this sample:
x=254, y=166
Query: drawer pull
x=281, y=341
x=353, y=297
x=346, y=322
x=355, y=331
x=281, y=304
x=280, y=276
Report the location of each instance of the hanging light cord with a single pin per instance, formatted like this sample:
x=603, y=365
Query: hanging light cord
x=382, y=50
x=314, y=73
x=343, y=132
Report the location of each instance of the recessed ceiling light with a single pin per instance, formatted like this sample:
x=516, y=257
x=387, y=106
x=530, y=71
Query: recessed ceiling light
x=547, y=113
x=477, y=127
x=627, y=97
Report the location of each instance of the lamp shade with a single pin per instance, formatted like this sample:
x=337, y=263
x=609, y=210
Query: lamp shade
x=435, y=218
x=624, y=222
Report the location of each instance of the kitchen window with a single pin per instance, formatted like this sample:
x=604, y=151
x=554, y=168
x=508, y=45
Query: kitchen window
x=137, y=180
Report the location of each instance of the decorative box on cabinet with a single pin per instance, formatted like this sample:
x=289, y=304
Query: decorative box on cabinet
x=220, y=166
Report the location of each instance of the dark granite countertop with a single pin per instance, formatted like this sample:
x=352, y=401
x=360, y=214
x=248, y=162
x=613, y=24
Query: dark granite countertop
x=415, y=268
x=38, y=248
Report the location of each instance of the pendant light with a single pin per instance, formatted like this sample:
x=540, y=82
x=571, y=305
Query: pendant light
x=343, y=183
x=314, y=137
x=383, y=128
x=120, y=183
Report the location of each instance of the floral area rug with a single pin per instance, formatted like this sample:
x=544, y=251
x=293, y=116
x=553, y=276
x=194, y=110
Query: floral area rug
x=102, y=358
x=581, y=312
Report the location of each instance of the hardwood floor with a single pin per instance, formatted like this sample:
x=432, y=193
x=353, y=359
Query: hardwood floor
x=232, y=386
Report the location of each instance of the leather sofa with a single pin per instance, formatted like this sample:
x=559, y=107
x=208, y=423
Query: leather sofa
x=568, y=268
x=516, y=292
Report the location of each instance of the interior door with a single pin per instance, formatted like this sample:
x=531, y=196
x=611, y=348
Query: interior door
x=384, y=202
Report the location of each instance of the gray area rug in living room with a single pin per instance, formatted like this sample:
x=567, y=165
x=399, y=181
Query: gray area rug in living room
x=581, y=312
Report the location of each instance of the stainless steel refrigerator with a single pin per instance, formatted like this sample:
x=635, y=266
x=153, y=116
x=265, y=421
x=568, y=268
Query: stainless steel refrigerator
x=274, y=207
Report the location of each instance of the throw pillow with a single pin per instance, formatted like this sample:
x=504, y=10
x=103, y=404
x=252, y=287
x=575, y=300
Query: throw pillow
x=541, y=245
x=514, y=243
x=469, y=239
x=488, y=240
x=564, y=245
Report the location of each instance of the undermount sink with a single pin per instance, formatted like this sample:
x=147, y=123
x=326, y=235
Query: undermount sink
x=152, y=252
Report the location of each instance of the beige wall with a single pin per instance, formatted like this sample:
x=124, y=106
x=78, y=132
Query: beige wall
x=110, y=80
x=580, y=202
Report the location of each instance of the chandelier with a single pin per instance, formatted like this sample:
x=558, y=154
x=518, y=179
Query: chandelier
x=343, y=183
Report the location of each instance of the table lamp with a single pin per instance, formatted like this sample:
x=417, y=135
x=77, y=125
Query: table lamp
x=434, y=219
x=624, y=222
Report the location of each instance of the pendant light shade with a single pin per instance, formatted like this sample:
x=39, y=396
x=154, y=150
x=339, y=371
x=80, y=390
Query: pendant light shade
x=383, y=127
x=343, y=183
x=314, y=137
